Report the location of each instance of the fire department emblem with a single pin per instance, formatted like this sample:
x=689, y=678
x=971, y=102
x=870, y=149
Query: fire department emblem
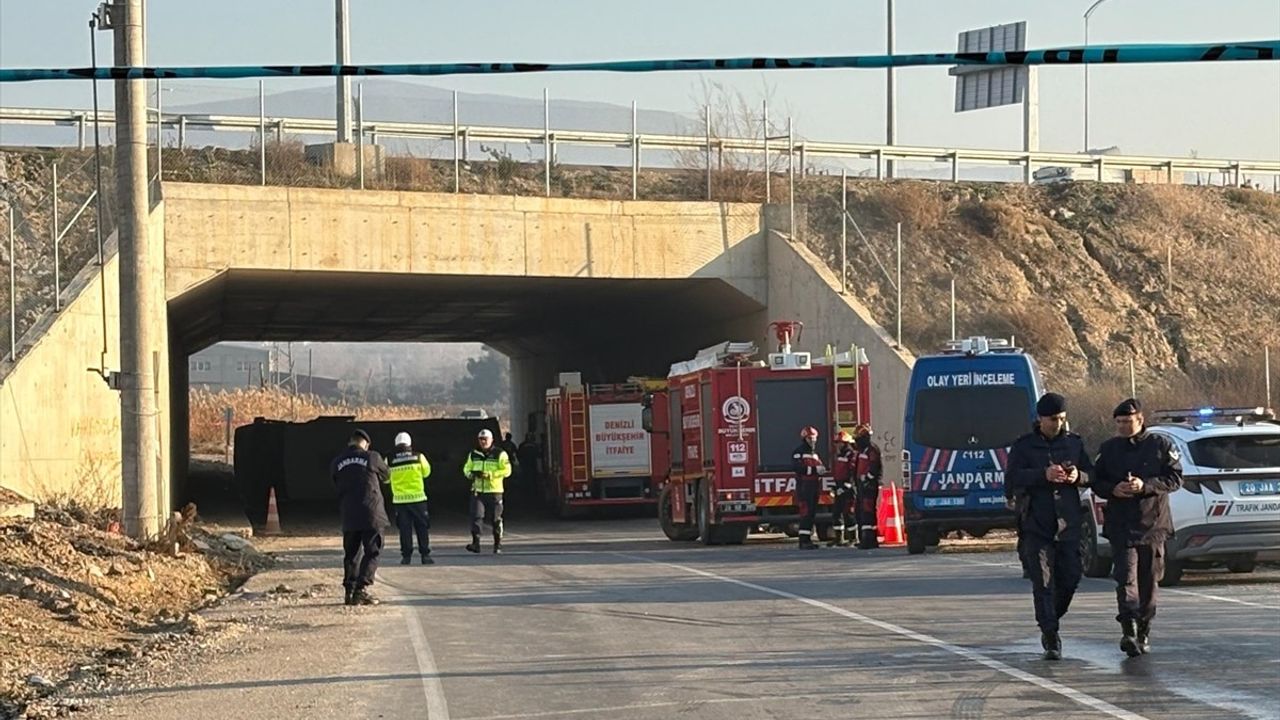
x=736, y=410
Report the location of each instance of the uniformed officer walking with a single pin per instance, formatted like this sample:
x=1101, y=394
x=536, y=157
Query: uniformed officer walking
x=842, y=510
x=1045, y=470
x=358, y=474
x=409, y=473
x=487, y=467
x=807, y=463
x=1136, y=472
x=868, y=469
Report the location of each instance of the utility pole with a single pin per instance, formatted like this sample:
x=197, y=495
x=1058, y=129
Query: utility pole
x=891, y=95
x=141, y=301
x=342, y=11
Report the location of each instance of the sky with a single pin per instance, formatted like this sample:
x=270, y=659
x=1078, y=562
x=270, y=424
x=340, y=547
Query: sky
x=1229, y=110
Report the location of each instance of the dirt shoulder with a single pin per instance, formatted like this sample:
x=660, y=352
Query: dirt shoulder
x=77, y=599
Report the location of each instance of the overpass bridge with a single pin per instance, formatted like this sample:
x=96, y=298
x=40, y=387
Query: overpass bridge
x=609, y=288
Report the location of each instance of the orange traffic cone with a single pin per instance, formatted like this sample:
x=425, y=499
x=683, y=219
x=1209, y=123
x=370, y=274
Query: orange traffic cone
x=889, y=512
x=273, y=515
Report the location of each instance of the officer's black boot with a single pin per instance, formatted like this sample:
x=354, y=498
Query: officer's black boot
x=406, y=559
x=807, y=543
x=362, y=597
x=1052, y=645
x=1144, y=636
x=475, y=544
x=350, y=598
x=426, y=560
x=1129, y=639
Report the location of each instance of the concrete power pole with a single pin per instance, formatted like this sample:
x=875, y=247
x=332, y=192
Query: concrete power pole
x=342, y=10
x=141, y=300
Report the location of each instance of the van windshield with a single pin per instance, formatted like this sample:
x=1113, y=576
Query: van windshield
x=970, y=418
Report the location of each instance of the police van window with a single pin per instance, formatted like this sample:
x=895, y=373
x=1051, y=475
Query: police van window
x=970, y=418
x=1237, y=452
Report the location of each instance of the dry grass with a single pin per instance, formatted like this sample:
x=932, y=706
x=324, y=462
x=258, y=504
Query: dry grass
x=208, y=421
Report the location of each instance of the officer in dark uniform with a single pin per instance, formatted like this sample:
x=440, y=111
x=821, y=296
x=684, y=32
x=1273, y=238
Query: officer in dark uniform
x=1046, y=469
x=842, y=510
x=868, y=469
x=1136, y=472
x=807, y=464
x=358, y=474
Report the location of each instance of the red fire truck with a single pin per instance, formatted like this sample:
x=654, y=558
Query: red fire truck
x=598, y=455
x=733, y=422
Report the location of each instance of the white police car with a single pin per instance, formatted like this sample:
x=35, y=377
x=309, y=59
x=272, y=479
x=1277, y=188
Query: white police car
x=1228, y=510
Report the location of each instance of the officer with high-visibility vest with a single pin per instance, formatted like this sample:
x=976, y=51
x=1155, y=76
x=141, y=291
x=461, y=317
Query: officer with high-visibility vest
x=408, y=481
x=487, y=467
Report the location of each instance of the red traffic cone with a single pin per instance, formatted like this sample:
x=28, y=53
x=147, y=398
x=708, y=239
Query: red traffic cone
x=889, y=516
x=273, y=515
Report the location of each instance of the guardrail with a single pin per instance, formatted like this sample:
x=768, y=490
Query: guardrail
x=1096, y=166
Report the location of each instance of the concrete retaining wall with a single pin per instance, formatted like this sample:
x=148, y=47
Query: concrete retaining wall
x=215, y=227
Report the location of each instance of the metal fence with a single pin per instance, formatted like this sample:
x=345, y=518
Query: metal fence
x=448, y=155
x=53, y=227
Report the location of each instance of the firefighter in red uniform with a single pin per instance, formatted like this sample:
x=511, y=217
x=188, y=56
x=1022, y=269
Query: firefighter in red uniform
x=867, y=472
x=808, y=466
x=842, y=520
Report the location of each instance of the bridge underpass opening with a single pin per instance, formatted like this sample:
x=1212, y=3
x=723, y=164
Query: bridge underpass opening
x=607, y=329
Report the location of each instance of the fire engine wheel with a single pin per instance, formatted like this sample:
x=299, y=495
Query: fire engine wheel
x=679, y=533
x=824, y=532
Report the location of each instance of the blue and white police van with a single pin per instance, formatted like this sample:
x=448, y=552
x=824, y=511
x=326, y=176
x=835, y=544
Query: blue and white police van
x=965, y=407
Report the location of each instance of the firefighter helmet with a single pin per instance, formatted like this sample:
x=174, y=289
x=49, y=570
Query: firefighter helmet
x=809, y=431
x=862, y=429
x=844, y=437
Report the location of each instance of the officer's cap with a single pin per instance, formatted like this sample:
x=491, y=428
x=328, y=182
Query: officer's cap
x=1128, y=407
x=1051, y=404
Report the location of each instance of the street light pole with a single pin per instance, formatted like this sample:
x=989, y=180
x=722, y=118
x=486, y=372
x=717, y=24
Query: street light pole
x=891, y=92
x=1087, y=13
x=342, y=12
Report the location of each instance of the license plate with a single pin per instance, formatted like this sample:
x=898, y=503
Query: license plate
x=1260, y=487
x=944, y=502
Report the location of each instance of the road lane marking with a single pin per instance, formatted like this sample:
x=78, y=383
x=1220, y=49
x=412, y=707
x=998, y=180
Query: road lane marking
x=432, y=688
x=1065, y=691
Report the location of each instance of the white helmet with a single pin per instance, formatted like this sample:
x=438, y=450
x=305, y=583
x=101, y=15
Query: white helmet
x=403, y=440
x=485, y=434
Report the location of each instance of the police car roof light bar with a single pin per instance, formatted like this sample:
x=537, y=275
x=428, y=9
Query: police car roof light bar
x=1207, y=415
x=979, y=345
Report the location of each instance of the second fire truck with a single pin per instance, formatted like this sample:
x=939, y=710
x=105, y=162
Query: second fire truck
x=731, y=423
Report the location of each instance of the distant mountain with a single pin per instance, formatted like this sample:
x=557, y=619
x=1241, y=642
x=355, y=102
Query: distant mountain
x=388, y=100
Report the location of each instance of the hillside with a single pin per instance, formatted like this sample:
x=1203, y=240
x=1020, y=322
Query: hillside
x=1079, y=274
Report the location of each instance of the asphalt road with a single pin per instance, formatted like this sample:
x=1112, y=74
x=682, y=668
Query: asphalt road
x=597, y=620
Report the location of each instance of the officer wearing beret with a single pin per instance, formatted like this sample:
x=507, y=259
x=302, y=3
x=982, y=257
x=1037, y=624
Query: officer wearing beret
x=1136, y=471
x=1046, y=468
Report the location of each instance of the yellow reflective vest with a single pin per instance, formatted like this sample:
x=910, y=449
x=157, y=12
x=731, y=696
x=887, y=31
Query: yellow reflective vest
x=409, y=473
x=487, y=469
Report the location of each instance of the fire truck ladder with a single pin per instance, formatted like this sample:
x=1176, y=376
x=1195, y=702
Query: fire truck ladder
x=577, y=401
x=845, y=366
